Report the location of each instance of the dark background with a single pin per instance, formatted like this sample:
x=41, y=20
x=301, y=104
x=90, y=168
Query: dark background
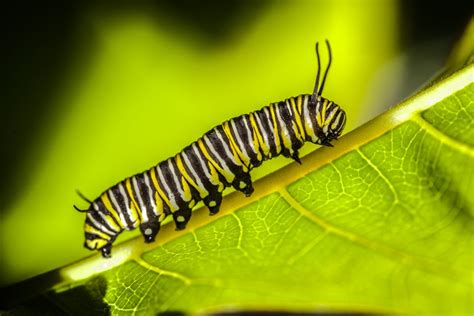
x=43, y=44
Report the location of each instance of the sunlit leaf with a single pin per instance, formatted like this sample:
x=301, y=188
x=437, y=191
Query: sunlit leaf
x=382, y=222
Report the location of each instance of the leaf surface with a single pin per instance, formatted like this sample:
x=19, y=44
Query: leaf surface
x=381, y=223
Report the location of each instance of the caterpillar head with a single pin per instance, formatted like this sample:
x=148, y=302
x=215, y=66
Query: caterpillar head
x=330, y=118
x=330, y=121
x=97, y=231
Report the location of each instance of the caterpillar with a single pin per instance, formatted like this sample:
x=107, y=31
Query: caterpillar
x=222, y=157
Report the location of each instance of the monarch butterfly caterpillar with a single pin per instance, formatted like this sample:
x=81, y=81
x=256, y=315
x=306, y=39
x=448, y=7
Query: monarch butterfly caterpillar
x=221, y=158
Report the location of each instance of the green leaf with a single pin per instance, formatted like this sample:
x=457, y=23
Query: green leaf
x=381, y=223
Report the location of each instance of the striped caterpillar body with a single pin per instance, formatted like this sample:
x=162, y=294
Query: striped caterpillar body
x=222, y=157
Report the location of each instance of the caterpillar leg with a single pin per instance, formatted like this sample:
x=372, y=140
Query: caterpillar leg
x=181, y=218
x=106, y=251
x=243, y=184
x=150, y=229
x=296, y=157
x=213, y=202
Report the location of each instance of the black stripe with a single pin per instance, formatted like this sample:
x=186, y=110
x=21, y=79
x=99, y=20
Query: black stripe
x=256, y=129
x=121, y=204
x=331, y=107
x=312, y=109
x=253, y=151
x=90, y=223
x=267, y=124
x=342, y=120
x=238, y=167
x=101, y=208
x=143, y=192
x=168, y=178
x=284, y=151
x=194, y=160
x=297, y=116
x=243, y=135
x=179, y=175
x=91, y=236
x=217, y=146
x=102, y=221
x=286, y=114
x=166, y=208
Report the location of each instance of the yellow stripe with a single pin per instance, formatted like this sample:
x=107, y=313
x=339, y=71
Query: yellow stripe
x=136, y=211
x=109, y=220
x=158, y=189
x=308, y=124
x=235, y=148
x=228, y=176
x=105, y=199
x=275, y=128
x=112, y=223
x=179, y=162
x=319, y=119
x=260, y=139
x=92, y=230
x=329, y=118
x=299, y=103
x=186, y=190
x=256, y=146
x=287, y=142
x=286, y=138
x=96, y=243
x=215, y=177
x=299, y=129
x=323, y=112
x=159, y=205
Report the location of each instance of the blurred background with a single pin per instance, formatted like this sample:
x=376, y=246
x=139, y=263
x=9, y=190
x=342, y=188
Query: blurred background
x=97, y=92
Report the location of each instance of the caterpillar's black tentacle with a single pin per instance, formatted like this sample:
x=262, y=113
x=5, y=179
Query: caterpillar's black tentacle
x=221, y=158
x=316, y=83
x=82, y=196
x=79, y=210
x=320, y=91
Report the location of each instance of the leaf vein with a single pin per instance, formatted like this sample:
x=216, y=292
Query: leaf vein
x=424, y=264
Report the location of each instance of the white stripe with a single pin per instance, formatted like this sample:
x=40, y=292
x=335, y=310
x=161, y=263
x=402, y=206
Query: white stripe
x=249, y=135
x=226, y=148
x=264, y=132
x=216, y=154
x=127, y=203
x=294, y=125
x=272, y=128
x=140, y=200
x=99, y=226
x=150, y=194
x=336, y=121
x=177, y=182
x=283, y=126
x=308, y=125
x=203, y=164
x=239, y=140
x=167, y=189
x=117, y=207
x=104, y=218
x=193, y=172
